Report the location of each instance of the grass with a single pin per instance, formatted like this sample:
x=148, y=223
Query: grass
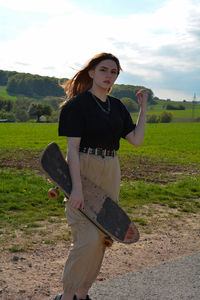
x=176, y=142
x=28, y=136
x=172, y=142
x=182, y=195
x=24, y=200
x=179, y=116
x=4, y=93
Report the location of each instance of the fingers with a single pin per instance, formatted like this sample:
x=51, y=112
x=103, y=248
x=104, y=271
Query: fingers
x=76, y=202
x=82, y=205
x=142, y=94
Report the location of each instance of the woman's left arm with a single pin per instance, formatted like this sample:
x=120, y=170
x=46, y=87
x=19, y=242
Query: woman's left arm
x=136, y=136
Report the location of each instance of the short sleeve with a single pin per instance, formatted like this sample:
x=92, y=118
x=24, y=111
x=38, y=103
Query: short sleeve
x=71, y=122
x=128, y=122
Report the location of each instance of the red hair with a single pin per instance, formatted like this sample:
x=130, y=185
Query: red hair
x=81, y=81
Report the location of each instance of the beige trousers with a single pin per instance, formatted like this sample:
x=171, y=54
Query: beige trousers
x=85, y=258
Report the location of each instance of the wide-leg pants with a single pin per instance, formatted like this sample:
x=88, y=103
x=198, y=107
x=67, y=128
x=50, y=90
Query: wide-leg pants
x=85, y=258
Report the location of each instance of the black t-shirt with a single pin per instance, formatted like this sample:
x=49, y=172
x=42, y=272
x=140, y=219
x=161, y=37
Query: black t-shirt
x=82, y=117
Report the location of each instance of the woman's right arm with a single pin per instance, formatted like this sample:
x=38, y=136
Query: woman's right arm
x=76, y=199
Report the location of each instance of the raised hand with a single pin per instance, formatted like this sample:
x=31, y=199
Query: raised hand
x=142, y=95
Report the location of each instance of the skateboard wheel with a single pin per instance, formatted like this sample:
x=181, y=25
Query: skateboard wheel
x=53, y=193
x=107, y=242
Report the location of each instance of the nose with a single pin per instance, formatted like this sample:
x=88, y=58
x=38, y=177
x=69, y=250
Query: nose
x=109, y=74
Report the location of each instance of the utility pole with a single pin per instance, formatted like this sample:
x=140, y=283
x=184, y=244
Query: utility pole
x=193, y=106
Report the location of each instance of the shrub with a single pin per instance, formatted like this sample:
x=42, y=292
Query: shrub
x=166, y=117
x=197, y=119
x=175, y=107
x=130, y=104
x=153, y=119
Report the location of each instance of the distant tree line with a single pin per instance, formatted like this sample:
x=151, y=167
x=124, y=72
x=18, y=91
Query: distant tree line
x=129, y=91
x=34, y=86
x=30, y=85
x=5, y=104
x=175, y=107
x=24, y=109
x=39, y=97
x=4, y=75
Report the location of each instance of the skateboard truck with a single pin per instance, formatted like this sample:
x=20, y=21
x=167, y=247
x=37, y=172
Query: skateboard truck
x=107, y=242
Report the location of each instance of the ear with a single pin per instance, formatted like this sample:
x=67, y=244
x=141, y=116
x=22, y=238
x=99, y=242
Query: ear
x=91, y=73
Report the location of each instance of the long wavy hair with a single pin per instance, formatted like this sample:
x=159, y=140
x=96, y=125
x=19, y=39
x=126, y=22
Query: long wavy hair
x=81, y=81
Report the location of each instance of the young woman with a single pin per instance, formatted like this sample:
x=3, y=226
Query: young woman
x=93, y=123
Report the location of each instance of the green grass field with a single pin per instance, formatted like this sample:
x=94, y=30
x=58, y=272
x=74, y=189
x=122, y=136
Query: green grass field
x=177, y=142
x=4, y=93
x=179, y=116
x=164, y=171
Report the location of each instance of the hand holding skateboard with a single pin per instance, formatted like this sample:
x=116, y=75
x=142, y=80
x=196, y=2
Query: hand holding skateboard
x=99, y=208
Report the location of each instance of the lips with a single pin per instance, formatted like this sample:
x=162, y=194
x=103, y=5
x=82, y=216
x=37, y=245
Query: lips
x=107, y=81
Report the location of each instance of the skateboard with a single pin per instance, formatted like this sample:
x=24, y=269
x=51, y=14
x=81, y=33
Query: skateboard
x=99, y=208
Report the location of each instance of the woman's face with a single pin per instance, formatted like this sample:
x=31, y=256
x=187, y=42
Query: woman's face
x=104, y=74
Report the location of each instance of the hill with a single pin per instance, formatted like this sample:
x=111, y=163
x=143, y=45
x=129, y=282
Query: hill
x=37, y=86
x=21, y=91
x=30, y=85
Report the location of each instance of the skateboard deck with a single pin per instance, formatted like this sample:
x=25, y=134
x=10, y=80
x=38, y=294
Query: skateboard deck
x=99, y=208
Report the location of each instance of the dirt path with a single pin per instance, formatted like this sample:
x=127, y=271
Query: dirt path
x=36, y=274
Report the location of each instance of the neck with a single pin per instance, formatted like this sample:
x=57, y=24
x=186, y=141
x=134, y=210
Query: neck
x=99, y=93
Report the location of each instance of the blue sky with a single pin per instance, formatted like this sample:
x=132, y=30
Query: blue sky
x=157, y=41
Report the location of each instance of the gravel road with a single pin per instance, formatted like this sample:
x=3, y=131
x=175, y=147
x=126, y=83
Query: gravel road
x=178, y=279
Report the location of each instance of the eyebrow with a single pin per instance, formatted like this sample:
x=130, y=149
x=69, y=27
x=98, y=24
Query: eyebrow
x=108, y=68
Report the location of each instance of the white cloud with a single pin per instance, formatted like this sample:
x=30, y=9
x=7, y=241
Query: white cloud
x=146, y=44
x=39, y=6
x=173, y=94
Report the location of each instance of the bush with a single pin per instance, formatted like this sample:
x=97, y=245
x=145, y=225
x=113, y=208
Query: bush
x=166, y=117
x=175, y=107
x=197, y=119
x=153, y=119
x=130, y=104
x=4, y=115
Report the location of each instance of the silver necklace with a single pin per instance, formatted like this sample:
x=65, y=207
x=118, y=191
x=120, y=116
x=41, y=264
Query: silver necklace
x=101, y=107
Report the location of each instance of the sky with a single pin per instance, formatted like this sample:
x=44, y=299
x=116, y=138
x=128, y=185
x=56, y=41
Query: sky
x=156, y=41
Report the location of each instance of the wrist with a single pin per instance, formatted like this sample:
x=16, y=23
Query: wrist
x=77, y=189
x=143, y=109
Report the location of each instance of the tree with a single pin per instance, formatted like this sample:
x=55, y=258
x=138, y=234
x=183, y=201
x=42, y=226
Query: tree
x=130, y=104
x=21, y=115
x=7, y=116
x=153, y=119
x=53, y=101
x=34, y=85
x=37, y=110
x=166, y=117
x=20, y=109
x=175, y=107
x=130, y=91
x=4, y=75
x=5, y=104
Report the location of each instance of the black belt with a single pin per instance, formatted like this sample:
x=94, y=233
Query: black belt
x=98, y=151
